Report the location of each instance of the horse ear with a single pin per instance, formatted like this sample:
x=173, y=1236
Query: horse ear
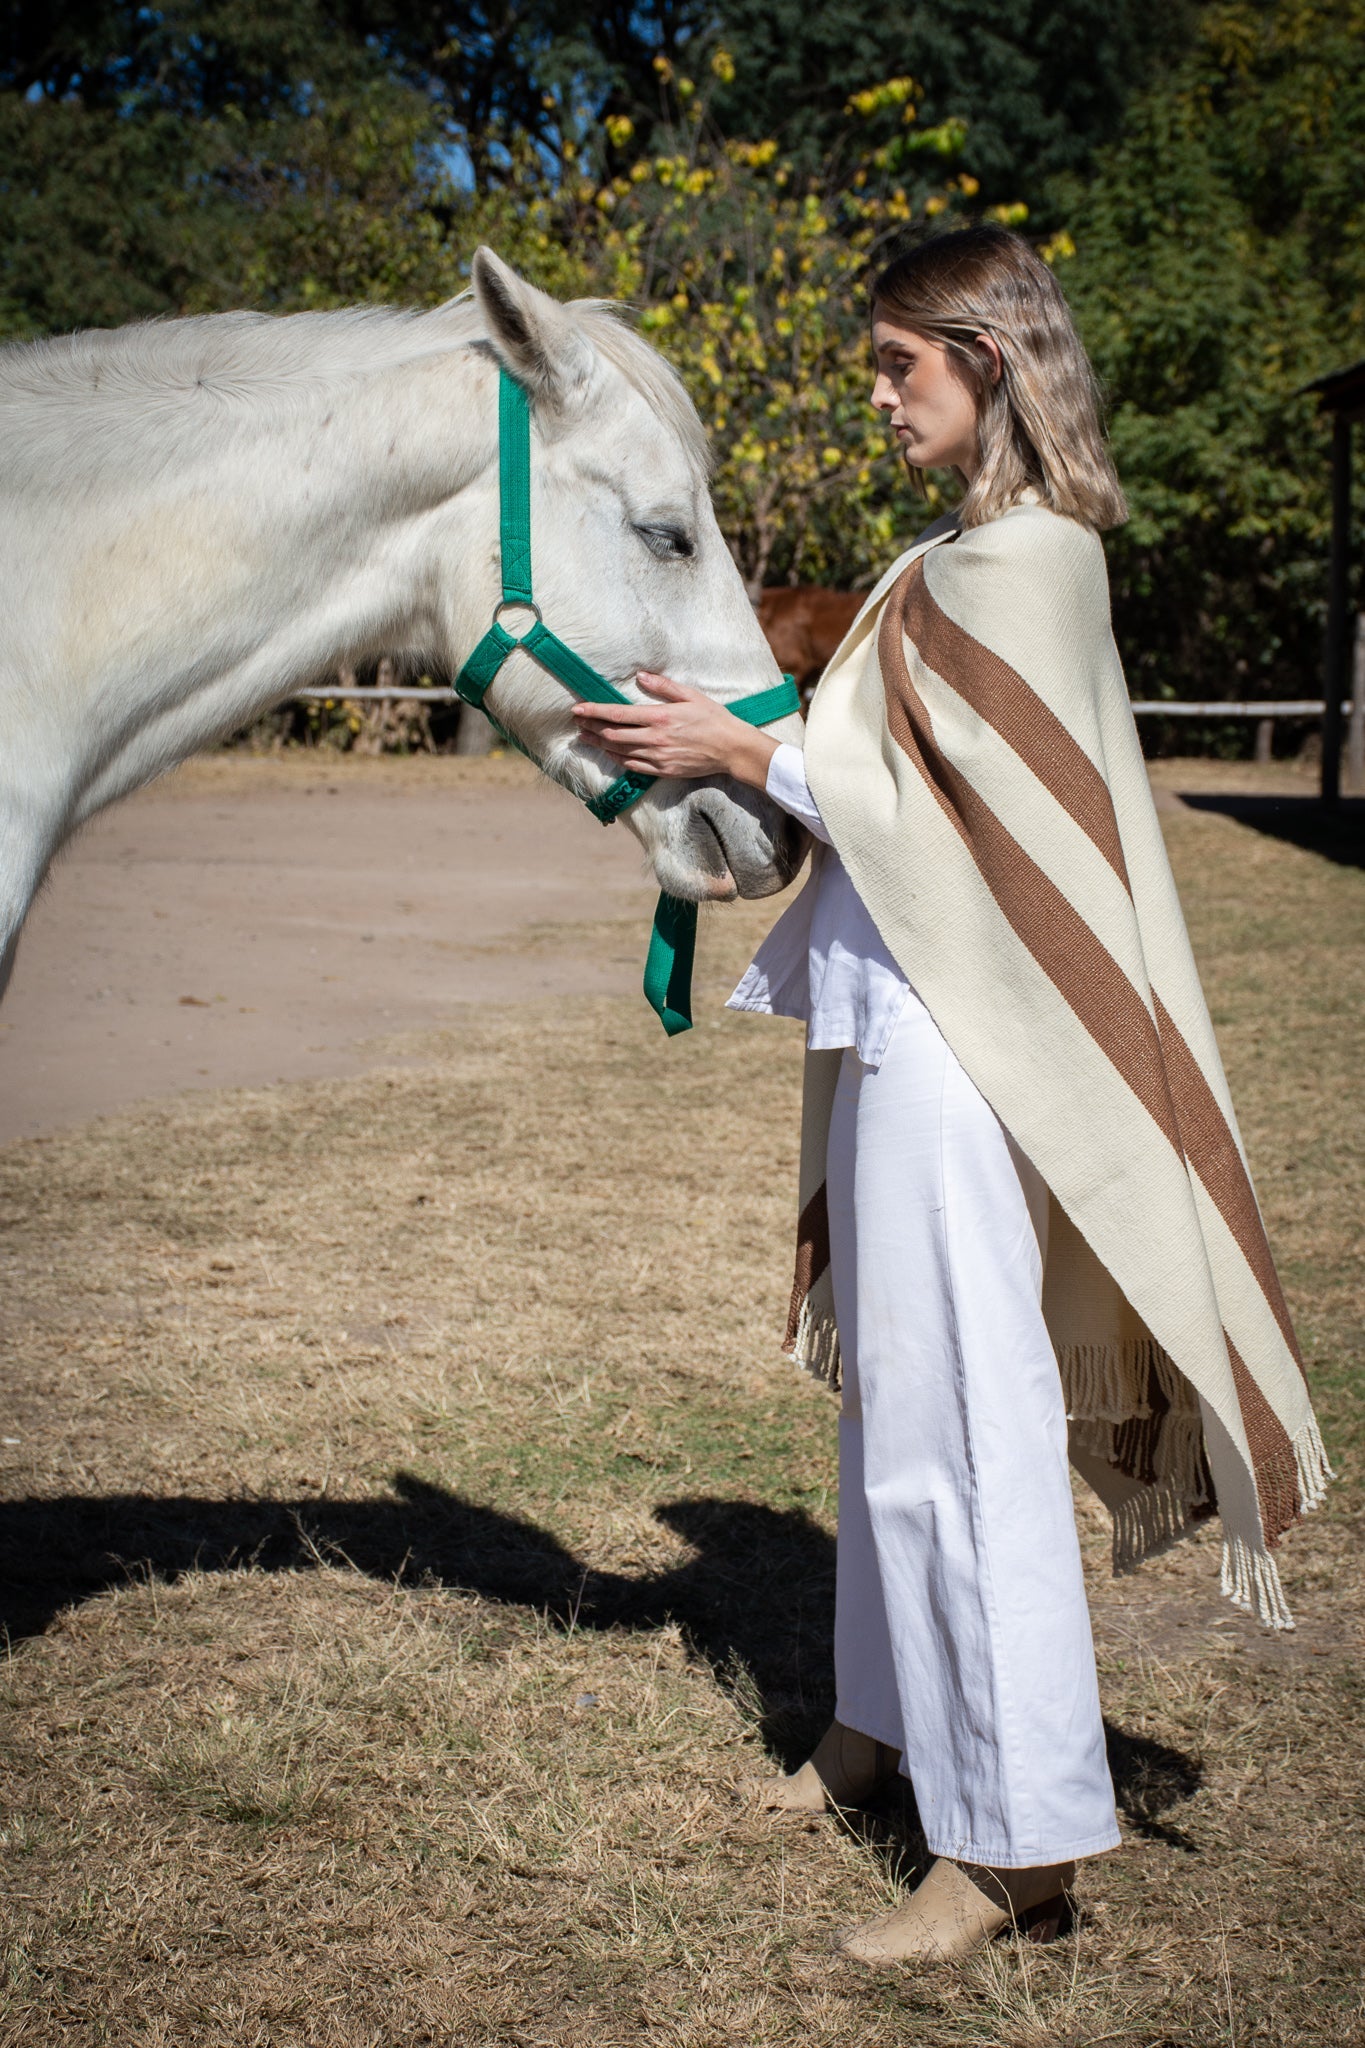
x=532, y=335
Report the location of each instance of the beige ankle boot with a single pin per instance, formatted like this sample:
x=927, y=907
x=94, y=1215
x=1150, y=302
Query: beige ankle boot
x=959, y=1907
x=843, y=1769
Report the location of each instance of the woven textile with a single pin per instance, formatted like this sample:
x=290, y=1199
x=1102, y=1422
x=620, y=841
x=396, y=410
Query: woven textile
x=974, y=757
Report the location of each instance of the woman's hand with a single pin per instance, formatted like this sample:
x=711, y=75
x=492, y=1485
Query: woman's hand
x=684, y=733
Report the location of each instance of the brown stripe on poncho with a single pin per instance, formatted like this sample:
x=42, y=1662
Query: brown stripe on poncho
x=974, y=757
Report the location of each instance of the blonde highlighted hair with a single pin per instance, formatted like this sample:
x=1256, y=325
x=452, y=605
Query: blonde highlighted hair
x=1038, y=424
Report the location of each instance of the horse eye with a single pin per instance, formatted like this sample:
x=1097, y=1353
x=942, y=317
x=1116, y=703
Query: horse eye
x=669, y=543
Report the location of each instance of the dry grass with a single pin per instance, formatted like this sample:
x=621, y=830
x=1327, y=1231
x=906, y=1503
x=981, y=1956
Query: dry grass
x=414, y=1533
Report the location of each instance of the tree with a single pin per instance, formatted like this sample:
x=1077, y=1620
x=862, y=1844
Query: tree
x=1039, y=85
x=554, y=72
x=753, y=279
x=160, y=162
x=1219, y=265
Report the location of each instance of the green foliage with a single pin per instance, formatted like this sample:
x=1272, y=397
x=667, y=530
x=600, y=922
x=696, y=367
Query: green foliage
x=550, y=71
x=100, y=224
x=735, y=170
x=1218, y=268
x=1038, y=85
x=198, y=157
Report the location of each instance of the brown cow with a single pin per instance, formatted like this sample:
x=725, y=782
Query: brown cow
x=803, y=625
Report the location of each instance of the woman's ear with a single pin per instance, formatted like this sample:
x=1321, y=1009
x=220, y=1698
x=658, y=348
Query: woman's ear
x=988, y=348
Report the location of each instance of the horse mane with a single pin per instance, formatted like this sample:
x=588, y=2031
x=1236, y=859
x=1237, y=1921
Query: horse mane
x=75, y=391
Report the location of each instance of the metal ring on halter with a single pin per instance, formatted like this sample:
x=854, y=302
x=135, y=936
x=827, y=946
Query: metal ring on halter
x=517, y=604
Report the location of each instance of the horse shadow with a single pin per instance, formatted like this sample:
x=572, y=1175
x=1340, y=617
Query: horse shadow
x=754, y=1600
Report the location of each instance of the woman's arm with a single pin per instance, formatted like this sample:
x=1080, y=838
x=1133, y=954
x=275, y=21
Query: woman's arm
x=684, y=733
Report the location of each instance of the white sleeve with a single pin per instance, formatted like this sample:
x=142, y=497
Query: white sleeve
x=787, y=785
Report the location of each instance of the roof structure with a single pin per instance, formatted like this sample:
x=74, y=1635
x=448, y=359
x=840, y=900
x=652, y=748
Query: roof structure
x=1342, y=391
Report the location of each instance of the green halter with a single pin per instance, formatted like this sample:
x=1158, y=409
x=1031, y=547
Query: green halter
x=672, y=945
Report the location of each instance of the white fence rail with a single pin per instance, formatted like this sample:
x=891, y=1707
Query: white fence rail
x=1292, y=707
x=476, y=735
x=338, y=694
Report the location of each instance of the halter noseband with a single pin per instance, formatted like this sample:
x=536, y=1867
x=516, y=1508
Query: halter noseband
x=668, y=968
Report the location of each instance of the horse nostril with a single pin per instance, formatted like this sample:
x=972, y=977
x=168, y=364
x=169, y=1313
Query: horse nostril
x=707, y=845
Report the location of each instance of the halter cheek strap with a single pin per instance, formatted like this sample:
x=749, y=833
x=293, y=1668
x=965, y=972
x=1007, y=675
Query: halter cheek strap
x=668, y=968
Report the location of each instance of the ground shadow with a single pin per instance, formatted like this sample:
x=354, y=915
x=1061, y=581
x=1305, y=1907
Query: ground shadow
x=1149, y=1779
x=1337, y=832
x=755, y=1600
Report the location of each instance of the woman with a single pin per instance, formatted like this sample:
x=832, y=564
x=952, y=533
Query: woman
x=1026, y=1224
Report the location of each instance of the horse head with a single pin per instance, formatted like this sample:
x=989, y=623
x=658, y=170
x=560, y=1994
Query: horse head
x=631, y=571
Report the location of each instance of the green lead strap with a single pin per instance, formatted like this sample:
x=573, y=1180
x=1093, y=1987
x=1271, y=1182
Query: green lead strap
x=668, y=963
x=673, y=941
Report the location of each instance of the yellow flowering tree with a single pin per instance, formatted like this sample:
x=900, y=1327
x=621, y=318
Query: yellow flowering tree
x=754, y=282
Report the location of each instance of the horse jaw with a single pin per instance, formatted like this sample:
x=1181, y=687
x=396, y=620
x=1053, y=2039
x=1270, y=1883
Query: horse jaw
x=713, y=841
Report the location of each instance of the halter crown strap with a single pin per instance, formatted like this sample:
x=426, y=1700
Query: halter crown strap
x=668, y=968
x=514, y=490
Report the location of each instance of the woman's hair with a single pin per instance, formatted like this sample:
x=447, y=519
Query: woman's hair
x=1039, y=423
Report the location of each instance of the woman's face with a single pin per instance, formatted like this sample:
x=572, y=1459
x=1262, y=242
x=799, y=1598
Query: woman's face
x=930, y=404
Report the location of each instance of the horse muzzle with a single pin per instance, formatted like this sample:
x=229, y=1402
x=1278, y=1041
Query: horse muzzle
x=724, y=840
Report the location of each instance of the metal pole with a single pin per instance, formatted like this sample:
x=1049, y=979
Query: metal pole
x=1355, y=730
x=1338, y=603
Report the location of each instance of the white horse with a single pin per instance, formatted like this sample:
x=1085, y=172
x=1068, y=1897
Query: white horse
x=199, y=517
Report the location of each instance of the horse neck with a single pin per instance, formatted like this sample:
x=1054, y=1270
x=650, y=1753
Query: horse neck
x=184, y=587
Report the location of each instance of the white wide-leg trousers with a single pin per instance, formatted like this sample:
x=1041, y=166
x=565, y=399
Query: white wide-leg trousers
x=962, y=1636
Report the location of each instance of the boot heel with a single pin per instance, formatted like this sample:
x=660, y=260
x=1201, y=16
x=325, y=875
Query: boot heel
x=1050, y=1920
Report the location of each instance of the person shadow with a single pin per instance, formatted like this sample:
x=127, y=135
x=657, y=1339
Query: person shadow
x=1335, y=832
x=754, y=1600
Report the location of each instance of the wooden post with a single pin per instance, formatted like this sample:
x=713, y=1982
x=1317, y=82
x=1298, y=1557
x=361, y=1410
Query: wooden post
x=1338, y=605
x=473, y=734
x=1355, y=731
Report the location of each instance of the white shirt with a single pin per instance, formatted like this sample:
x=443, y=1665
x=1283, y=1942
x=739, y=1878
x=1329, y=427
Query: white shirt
x=824, y=960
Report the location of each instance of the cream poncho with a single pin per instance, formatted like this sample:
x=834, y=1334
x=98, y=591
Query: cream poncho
x=974, y=757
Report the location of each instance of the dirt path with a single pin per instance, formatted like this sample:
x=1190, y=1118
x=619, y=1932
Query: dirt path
x=251, y=920
x=254, y=920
